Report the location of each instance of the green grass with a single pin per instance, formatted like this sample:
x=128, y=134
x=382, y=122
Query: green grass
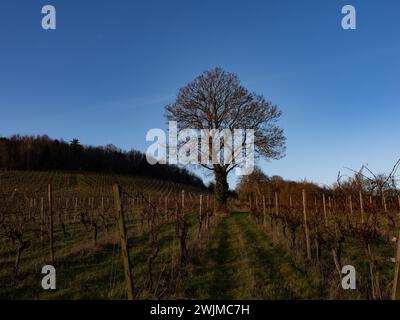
x=235, y=260
x=83, y=271
x=238, y=261
x=241, y=263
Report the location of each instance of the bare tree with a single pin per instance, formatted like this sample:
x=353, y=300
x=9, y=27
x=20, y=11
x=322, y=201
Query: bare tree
x=216, y=100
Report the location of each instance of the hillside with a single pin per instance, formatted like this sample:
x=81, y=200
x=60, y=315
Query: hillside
x=284, y=244
x=84, y=235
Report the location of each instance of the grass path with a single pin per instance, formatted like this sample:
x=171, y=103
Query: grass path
x=242, y=263
x=238, y=262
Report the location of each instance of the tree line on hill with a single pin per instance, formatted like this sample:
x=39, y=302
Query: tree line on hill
x=43, y=153
x=259, y=184
x=363, y=180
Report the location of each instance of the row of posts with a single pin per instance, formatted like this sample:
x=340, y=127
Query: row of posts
x=123, y=237
x=396, y=282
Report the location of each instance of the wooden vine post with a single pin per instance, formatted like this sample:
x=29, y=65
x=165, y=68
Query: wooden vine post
x=306, y=226
x=276, y=204
x=396, y=280
x=76, y=209
x=166, y=207
x=361, y=208
x=325, y=213
x=50, y=199
x=264, y=213
x=277, y=214
x=183, y=207
x=351, y=206
x=42, y=218
x=200, y=209
x=384, y=202
x=214, y=205
x=398, y=200
x=123, y=241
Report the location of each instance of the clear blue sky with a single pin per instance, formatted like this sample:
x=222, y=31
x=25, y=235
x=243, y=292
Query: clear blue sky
x=106, y=73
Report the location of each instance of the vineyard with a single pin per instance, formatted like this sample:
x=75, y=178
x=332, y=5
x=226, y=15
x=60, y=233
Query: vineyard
x=118, y=237
x=69, y=220
x=324, y=233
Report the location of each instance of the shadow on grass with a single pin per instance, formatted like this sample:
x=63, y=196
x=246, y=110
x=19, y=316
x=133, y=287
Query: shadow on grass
x=215, y=270
x=276, y=273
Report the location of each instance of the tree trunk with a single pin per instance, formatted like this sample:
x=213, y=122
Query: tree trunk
x=221, y=187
